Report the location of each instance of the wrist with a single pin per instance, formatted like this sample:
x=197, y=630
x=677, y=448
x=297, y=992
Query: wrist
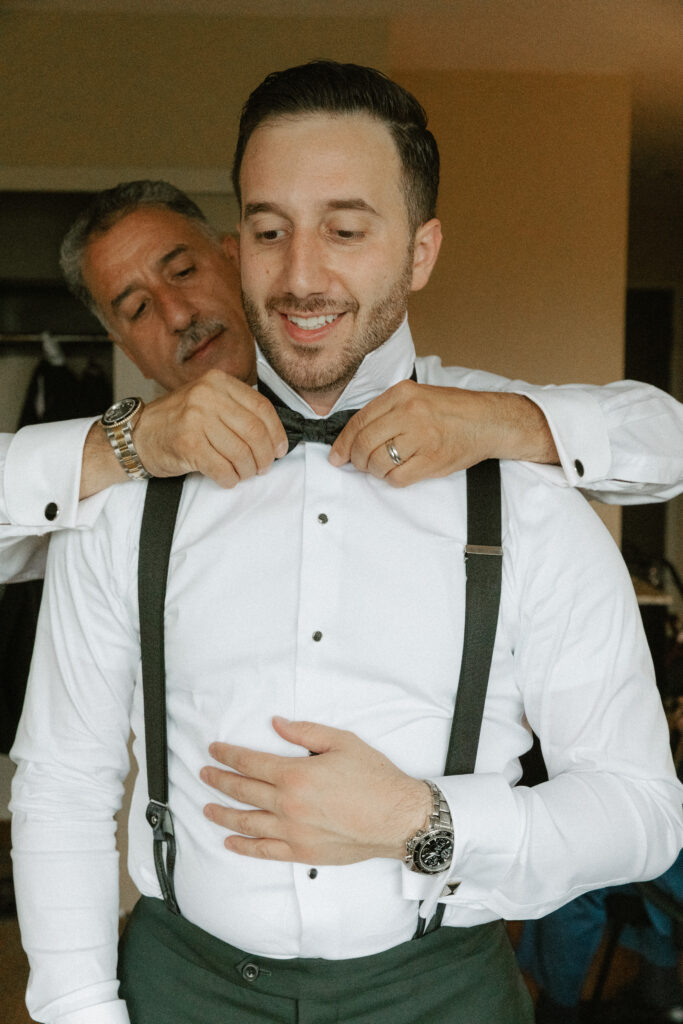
x=520, y=430
x=118, y=423
x=429, y=850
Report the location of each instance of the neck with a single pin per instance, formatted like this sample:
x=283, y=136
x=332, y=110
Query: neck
x=321, y=401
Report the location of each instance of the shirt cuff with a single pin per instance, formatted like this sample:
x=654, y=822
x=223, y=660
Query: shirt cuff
x=43, y=475
x=113, y=1012
x=485, y=826
x=579, y=431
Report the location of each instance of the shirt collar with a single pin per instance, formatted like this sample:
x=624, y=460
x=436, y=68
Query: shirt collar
x=381, y=369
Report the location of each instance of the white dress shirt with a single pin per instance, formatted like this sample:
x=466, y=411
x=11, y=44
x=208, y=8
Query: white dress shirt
x=324, y=594
x=621, y=443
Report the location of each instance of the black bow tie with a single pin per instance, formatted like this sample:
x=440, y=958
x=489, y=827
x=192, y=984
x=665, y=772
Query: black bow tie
x=300, y=428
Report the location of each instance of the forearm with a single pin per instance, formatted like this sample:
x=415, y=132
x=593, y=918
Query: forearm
x=516, y=428
x=623, y=442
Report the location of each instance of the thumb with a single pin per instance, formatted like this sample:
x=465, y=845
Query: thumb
x=311, y=735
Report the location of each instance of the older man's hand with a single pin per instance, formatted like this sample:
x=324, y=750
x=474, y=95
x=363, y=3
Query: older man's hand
x=216, y=425
x=347, y=804
x=439, y=430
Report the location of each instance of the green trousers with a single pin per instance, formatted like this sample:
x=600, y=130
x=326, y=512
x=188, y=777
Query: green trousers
x=172, y=972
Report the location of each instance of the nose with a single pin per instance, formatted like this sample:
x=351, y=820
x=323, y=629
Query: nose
x=306, y=270
x=176, y=308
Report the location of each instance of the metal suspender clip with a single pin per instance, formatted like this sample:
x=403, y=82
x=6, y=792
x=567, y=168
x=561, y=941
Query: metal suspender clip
x=482, y=549
x=160, y=818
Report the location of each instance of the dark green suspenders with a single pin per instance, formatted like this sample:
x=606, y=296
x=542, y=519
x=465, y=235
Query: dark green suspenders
x=483, y=556
x=156, y=536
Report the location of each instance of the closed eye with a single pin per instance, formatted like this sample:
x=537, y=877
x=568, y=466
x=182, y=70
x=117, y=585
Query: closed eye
x=139, y=311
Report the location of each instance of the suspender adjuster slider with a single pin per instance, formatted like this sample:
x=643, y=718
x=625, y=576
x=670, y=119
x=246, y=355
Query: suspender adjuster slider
x=483, y=549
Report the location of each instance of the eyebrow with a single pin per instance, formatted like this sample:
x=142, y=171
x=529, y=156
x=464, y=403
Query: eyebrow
x=251, y=209
x=163, y=262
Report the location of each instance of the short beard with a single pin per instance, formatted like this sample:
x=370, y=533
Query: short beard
x=299, y=370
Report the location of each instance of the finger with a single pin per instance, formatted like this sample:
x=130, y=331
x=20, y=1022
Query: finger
x=381, y=464
x=233, y=449
x=254, y=764
x=212, y=464
x=410, y=472
x=348, y=439
x=265, y=849
x=265, y=416
x=257, y=824
x=257, y=427
x=316, y=738
x=246, y=790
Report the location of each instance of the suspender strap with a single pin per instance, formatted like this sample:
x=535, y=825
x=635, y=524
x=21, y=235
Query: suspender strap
x=484, y=565
x=156, y=535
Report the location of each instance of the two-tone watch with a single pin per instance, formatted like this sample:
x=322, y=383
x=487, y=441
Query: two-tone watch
x=430, y=850
x=118, y=423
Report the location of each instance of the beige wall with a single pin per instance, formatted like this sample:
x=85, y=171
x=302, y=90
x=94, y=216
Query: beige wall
x=148, y=90
x=531, y=276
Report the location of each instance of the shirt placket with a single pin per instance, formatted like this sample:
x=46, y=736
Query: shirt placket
x=319, y=624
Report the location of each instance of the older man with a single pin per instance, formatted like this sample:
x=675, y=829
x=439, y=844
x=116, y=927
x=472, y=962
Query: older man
x=321, y=594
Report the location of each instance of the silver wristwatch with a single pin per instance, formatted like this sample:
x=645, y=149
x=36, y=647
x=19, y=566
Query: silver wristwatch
x=118, y=423
x=430, y=850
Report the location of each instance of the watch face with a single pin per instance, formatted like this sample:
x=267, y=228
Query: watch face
x=435, y=852
x=120, y=411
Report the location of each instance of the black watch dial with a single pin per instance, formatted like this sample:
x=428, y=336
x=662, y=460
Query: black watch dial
x=435, y=852
x=120, y=412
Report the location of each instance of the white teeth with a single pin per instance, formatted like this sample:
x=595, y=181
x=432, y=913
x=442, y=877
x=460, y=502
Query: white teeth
x=312, y=323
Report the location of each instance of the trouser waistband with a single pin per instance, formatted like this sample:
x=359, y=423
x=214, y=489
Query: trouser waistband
x=292, y=978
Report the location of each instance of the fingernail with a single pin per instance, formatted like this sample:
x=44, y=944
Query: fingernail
x=335, y=459
x=282, y=449
x=280, y=720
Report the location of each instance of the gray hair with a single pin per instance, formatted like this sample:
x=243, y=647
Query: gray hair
x=104, y=211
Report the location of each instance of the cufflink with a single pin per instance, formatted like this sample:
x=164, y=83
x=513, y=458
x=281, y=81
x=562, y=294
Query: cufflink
x=51, y=511
x=578, y=466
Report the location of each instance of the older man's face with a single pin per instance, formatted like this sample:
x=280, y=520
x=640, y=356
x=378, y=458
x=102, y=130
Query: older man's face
x=170, y=297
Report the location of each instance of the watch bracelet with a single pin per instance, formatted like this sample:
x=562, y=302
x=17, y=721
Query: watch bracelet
x=121, y=440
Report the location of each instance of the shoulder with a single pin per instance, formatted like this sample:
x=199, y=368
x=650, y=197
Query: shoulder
x=430, y=370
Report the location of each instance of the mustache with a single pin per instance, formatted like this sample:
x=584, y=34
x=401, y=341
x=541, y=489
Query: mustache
x=192, y=337
x=319, y=305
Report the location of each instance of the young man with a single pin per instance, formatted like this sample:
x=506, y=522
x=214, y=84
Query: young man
x=320, y=594
x=150, y=241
